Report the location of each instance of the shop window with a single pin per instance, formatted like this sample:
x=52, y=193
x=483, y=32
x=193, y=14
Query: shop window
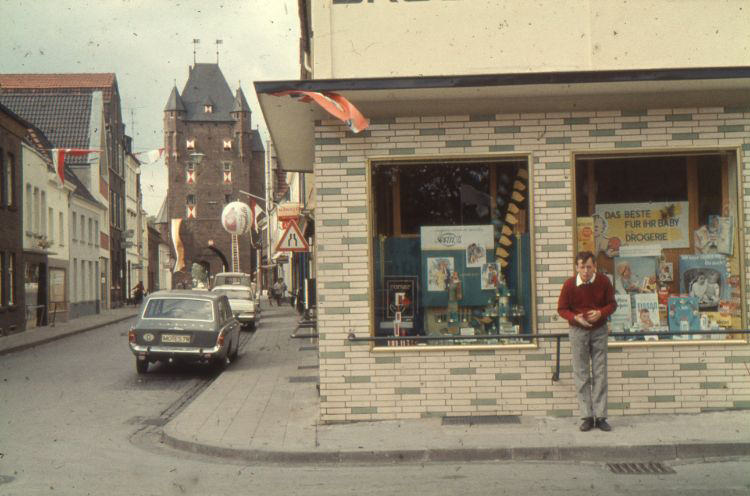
x=664, y=229
x=451, y=252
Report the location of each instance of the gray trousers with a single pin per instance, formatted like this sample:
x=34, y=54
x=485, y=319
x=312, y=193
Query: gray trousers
x=589, y=350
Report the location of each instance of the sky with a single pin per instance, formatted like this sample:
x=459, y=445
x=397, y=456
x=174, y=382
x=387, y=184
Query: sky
x=148, y=44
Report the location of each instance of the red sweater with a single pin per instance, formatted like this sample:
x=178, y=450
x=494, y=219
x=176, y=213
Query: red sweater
x=599, y=295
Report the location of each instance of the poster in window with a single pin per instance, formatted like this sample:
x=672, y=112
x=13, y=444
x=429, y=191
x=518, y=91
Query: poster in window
x=721, y=232
x=683, y=314
x=622, y=318
x=586, y=240
x=401, y=296
x=56, y=286
x=490, y=276
x=706, y=278
x=439, y=270
x=476, y=255
x=655, y=223
x=647, y=311
x=635, y=274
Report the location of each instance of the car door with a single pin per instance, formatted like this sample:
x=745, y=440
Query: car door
x=233, y=327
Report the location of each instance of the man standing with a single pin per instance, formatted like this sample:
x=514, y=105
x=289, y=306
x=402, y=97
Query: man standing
x=279, y=288
x=585, y=302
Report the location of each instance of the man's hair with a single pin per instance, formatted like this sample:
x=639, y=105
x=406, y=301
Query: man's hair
x=584, y=257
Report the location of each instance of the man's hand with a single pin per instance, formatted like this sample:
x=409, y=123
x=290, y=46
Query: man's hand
x=593, y=315
x=582, y=320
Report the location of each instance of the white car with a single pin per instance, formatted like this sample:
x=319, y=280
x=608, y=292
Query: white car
x=242, y=302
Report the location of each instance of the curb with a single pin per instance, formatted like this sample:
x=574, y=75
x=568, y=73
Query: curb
x=643, y=453
x=49, y=339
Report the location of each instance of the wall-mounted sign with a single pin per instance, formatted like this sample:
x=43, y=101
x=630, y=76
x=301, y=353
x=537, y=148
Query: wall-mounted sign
x=657, y=223
x=288, y=211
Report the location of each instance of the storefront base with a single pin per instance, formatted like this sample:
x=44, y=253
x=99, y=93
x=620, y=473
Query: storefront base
x=84, y=308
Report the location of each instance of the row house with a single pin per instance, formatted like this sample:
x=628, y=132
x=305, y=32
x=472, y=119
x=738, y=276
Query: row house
x=136, y=246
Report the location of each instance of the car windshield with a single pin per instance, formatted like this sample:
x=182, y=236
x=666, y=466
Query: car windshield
x=232, y=280
x=234, y=294
x=179, y=308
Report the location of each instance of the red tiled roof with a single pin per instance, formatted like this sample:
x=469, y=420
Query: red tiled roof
x=50, y=81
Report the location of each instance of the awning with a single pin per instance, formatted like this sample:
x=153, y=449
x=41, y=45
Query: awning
x=291, y=123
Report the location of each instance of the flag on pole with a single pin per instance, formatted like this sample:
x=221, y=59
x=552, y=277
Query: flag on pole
x=334, y=104
x=58, y=158
x=150, y=156
x=257, y=211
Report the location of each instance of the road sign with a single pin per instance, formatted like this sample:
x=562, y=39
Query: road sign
x=292, y=239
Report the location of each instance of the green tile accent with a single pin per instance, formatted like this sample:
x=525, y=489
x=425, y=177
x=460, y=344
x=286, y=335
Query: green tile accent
x=736, y=110
x=557, y=165
x=354, y=241
x=457, y=143
x=387, y=359
x=713, y=385
x=737, y=359
x=542, y=229
x=615, y=350
x=336, y=310
x=425, y=415
x=602, y=132
x=502, y=148
x=576, y=120
x=552, y=184
x=481, y=117
x=332, y=354
x=408, y=390
x=356, y=210
x=559, y=413
x=330, y=266
x=563, y=368
x=539, y=394
x=358, y=297
x=549, y=248
x=635, y=374
x=635, y=125
x=557, y=280
x=335, y=222
x=481, y=352
x=685, y=136
x=746, y=147
x=364, y=409
x=709, y=409
x=618, y=406
x=693, y=366
x=362, y=134
x=634, y=113
x=507, y=129
x=351, y=379
x=678, y=117
x=538, y=357
x=463, y=371
x=483, y=401
x=541, y=267
x=742, y=404
x=432, y=131
x=508, y=376
x=661, y=399
x=334, y=160
x=734, y=128
x=336, y=285
x=329, y=191
x=359, y=171
x=560, y=140
x=327, y=141
x=384, y=120
x=627, y=144
x=401, y=151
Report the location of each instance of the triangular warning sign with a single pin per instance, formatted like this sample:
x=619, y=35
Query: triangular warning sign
x=292, y=239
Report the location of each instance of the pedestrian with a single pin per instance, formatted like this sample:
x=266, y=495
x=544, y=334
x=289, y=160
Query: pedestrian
x=138, y=291
x=279, y=287
x=586, y=301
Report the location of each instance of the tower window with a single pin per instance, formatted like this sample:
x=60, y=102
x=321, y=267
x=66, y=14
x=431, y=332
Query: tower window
x=190, y=144
x=227, y=166
x=208, y=109
x=191, y=199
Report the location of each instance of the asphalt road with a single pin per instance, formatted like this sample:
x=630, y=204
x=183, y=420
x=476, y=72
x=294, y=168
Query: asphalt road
x=76, y=419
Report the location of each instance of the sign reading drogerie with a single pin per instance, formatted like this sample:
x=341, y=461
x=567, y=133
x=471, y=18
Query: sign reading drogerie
x=628, y=224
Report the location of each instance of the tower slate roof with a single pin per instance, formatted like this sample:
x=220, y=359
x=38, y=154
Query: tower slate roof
x=257, y=145
x=207, y=81
x=240, y=104
x=175, y=101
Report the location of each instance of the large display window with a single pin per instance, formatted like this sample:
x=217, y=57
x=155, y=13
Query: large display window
x=666, y=230
x=451, y=248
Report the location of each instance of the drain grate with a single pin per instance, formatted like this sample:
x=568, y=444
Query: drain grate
x=303, y=378
x=482, y=420
x=640, y=468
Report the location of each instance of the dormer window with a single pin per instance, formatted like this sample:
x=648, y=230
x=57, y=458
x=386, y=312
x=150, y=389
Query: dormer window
x=208, y=109
x=227, y=144
x=190, y=144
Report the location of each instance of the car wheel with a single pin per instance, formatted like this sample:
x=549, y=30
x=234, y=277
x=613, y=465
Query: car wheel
x=141, y=366
x=251, y=326
x=222, y=363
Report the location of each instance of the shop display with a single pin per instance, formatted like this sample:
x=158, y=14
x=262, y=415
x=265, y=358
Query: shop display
x=641, y=224
x=635, y=274
x=622, y=319
x=706, y=278
x=683, y=314
x=715, y=237
x=586, y=240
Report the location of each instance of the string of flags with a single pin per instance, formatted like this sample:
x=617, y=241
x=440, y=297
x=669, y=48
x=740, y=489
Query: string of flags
x=150, y=156
x=336, y=105
x=58, y=158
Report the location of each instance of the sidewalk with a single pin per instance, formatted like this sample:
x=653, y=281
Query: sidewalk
x=264, y=408
x=41, y=335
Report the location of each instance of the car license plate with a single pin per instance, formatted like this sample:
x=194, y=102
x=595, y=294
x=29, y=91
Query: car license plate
x=175, y=338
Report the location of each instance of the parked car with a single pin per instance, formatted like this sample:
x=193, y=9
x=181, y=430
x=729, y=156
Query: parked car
x=242, y=280
x=186, y=326
x=242, y=302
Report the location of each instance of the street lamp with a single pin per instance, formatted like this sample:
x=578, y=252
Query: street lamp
x=196, y=158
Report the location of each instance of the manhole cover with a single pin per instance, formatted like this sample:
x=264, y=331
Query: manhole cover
x=303, y=379
x=640, y=468
x=482, y=419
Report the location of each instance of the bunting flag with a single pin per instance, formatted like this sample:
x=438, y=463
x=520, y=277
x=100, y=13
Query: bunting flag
x=150, y=156
x=179, y=248
x=334, y=104
x=257, y=211
x=58, y=158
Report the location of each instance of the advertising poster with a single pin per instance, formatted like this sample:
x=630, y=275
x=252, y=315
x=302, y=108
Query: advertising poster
x=449, y=238
x=647, y=311
x=400, y=299
x=661, y=223
x=706, y=278
x=57, y=286
x=490, y=277
x=586, y=234
x=635, y=274
x=622, y=318
x=439, y=270
x=683, y=314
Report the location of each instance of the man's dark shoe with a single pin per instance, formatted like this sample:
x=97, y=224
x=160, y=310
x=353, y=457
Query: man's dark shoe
x=602, y=424
x=588, y=424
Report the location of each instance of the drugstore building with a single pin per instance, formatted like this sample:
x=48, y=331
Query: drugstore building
x=494, y=153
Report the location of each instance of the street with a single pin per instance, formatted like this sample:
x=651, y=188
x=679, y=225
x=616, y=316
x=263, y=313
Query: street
x=77, y=419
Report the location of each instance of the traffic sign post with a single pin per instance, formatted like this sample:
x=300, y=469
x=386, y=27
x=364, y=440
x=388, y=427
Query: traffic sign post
x=292, y=239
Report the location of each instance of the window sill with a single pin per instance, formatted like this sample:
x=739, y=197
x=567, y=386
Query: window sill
x=457, y=347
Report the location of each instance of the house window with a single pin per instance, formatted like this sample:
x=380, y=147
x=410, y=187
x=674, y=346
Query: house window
x=451, y=250
x=74, y=278
x=73, y=230
x=61, y=223
x=227, y=199
x=227, y=144
x=10, y=180
x=36, y=211
x=190, y=144
x=11, y=279
x=2, y=279
x=83, y=229
x=29, y=209
x=97, y=234
x=43, y=230
x=2, y=178
x=91, y=231
x=51, y=231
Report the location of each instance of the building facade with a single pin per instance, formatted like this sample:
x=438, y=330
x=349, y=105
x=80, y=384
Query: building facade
x=452, y=221
x=214, y=157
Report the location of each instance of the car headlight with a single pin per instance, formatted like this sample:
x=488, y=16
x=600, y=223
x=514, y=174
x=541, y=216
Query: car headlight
x=148, y=337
